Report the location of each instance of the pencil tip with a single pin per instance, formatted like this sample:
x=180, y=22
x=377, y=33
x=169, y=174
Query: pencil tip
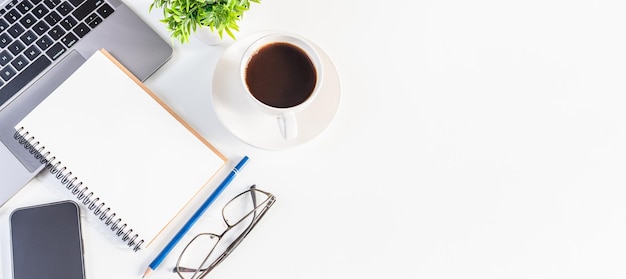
x=145, y=274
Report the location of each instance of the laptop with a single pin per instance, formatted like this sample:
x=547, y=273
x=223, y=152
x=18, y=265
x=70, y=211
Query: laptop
x=42, y=42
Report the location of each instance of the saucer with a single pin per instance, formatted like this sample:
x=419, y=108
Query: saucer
x=261, y=130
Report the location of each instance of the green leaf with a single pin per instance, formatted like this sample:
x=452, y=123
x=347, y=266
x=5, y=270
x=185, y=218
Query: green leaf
x=184, y=17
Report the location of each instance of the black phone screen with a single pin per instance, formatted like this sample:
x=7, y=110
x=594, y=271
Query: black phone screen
x=46, y=241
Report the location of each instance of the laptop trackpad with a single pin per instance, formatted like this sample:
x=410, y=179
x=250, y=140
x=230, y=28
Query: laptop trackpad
x=12, y=114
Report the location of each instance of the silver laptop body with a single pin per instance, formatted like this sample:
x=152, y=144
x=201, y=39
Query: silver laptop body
x=122, y=33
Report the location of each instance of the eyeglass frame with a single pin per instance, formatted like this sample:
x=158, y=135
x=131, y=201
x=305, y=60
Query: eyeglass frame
x=264, y=206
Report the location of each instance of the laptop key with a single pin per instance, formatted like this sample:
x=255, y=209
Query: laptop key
x=28, y=38
x=41, y=27
x=52, y=3
x=11, y=4
x=57, y=32
x=16, y=30
x=52, y=18
x=32, y=52
x=40, y=10
x=7, y=73
x=86, y=8
x=26, y=75
x=95, y=21
x=44, y=42
x=19, y=62
x=105, y=11
x=28, y=20
x=3, y=24
x=16, y=47
x=5, y=40
x=56, y=51
x=12, y=16
x=5, y=57
x=24, y=7
x=64, y=9
x=69, y=40
x=81, y=30
x=68, y=23
x=91, y=17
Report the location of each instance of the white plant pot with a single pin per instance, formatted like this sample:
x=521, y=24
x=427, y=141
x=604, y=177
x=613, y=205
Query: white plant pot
x=208, y=37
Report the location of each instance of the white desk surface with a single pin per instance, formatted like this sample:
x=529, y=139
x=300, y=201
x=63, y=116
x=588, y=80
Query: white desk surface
x=475, y=139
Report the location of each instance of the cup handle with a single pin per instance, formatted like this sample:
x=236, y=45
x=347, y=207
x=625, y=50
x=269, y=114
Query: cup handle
x=288, y=125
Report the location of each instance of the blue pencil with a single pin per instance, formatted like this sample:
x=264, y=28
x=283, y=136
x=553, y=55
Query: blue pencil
x=168, y=248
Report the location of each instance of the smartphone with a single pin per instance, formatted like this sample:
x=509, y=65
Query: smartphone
x=46, y=241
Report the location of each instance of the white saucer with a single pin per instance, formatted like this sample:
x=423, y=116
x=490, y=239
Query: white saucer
x=261, y=130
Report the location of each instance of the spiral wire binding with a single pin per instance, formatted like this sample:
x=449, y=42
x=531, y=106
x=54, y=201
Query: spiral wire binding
x=83, y=194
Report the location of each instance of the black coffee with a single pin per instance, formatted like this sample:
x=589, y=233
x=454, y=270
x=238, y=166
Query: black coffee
x=281, y=75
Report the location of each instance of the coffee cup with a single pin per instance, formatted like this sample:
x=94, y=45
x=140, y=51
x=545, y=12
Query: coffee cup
x=282, y=75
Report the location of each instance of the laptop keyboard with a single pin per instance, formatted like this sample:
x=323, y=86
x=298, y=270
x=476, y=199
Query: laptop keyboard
x=34, y=33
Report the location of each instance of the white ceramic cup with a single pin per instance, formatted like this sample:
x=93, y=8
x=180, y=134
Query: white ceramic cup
x=285, y=116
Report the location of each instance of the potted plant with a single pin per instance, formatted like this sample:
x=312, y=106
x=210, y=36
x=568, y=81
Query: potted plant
x=185, y=17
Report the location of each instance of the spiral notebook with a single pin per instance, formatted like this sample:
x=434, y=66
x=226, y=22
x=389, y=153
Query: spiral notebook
x=119, y=150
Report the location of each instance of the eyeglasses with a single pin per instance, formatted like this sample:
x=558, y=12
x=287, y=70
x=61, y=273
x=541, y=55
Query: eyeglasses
x=206, y=250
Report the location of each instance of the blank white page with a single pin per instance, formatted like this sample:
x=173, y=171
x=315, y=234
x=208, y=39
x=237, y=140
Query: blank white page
x=124, y=144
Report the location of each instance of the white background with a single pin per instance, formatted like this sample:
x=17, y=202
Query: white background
x=475, y=139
